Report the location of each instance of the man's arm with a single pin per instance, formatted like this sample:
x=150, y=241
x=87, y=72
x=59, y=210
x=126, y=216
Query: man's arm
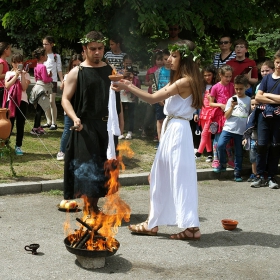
x=70, y=86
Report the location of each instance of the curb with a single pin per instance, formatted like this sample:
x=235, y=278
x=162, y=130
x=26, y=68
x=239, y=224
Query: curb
x=125, y=180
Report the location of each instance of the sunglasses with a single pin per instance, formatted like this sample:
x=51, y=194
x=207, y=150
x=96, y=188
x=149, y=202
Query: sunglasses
x=223, y=42
x=173, y=29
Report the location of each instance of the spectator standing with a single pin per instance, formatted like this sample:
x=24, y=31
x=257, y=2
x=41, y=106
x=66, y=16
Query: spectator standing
x=266, y=68
x=173, y=37
x=5, y=51
x=250, y=142
x=54, y=67
x=268, y=128
x=236, y=112
x=261, y=55
x=17, y=81
x=203, y=116
x=115, y=55
x=157, y=62
x=219, y=95
x=162, y=78
x=226, y=53
x=128, y=99
x=74, y=62
x=261, y=52
x=242, y=65
x=40, y=93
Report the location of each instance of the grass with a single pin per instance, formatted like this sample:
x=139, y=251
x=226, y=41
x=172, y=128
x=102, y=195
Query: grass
x=53, y=193
x=39, y=160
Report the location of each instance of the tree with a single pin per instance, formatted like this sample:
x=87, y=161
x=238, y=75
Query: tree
x=140, y=22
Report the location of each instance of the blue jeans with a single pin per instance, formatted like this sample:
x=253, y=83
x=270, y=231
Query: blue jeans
x=238, y=152
x=66, y=133
x=268, y=145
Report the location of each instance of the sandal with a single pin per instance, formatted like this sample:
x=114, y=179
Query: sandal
x=140, y=229
x=183, y=236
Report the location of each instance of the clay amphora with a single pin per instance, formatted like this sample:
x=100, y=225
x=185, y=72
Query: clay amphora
x=5, y=123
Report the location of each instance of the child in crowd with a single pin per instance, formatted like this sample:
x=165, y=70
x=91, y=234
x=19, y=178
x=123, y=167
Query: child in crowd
x=75, y=61
x=250, y=142
x=39, y=95
x=115, y=56
x=5, y=51
x=219, y=95
x=54, y=66
x=209, y=74
x=266, y=68
x=128, y=99
x=162, y=77
x=236, y=112
x=157, y=61
x=17, y=81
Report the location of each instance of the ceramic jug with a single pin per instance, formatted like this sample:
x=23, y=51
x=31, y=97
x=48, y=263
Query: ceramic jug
x=5, y=123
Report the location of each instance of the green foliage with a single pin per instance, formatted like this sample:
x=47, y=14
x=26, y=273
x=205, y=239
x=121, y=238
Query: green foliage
x=269, y=40
x=141, y=23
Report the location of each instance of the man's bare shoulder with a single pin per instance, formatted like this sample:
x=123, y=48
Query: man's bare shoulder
x=73, y=74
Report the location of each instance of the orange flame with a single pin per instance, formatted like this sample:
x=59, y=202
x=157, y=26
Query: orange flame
x=114, y=72
x=114, y=209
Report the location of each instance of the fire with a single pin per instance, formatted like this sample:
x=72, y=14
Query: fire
x=114, y=72
x=98, y=229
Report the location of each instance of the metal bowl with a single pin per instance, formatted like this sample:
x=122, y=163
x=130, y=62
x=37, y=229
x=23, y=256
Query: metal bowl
x=90, y=253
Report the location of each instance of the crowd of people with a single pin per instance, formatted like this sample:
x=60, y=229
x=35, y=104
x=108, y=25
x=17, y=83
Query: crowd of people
x=226, y=104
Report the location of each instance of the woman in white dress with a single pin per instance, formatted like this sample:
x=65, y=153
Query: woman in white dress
x=173, y=178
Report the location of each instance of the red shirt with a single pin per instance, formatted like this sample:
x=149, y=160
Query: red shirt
x=239, y=66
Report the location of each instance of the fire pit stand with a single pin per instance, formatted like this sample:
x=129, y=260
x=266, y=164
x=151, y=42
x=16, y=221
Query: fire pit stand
x=91, y=263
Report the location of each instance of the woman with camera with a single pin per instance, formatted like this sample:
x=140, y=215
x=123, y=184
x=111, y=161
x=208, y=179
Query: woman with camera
x=17, y=81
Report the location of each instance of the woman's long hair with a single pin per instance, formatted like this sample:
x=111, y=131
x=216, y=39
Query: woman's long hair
x=188, y=68
x=74, y=57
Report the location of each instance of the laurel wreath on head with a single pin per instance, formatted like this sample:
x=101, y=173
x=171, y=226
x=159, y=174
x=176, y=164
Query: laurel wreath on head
x=85, y=40
x=184, y=51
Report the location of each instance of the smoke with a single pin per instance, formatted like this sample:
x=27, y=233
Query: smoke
x=89, y=178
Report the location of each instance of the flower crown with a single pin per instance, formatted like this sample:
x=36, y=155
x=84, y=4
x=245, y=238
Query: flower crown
x=184, y=51
x=85, y=40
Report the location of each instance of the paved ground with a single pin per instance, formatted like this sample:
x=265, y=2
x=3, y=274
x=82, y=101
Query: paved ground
x=249, y=252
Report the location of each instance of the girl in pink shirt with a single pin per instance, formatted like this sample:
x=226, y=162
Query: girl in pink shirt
x=204, y=117
x=220, y=93
x=43, y=85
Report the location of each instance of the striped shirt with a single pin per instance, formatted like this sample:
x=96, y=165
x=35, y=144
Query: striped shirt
x=115, y=59
x=218, y=62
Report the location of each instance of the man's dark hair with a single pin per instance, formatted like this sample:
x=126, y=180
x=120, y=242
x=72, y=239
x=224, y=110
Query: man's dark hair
x=94, y=36
x=241, y=80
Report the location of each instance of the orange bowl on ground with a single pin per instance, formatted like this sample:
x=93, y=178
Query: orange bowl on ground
x=115, y=78
x=229, y=224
